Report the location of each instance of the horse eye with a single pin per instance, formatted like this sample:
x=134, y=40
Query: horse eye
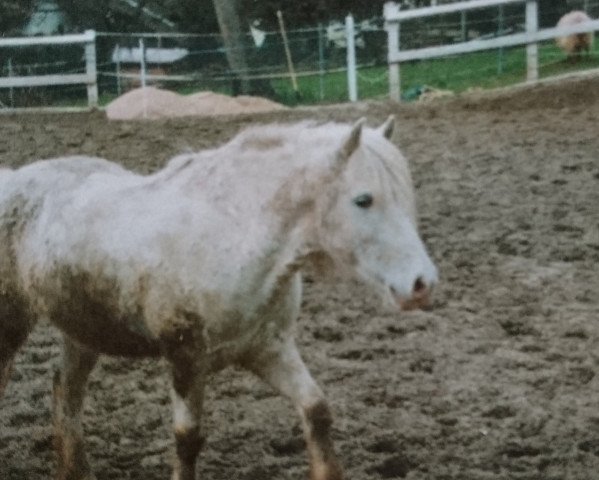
x=364, y=201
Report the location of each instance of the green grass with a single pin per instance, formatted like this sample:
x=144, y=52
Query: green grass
x=489, y=69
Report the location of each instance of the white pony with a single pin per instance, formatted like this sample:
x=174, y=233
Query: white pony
x=573, y=45
x=200, y=263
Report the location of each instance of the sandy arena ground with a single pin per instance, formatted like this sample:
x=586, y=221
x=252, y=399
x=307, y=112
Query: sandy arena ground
x=498, y=381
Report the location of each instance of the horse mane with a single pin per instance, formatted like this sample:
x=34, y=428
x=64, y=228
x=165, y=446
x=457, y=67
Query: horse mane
x=275, y=151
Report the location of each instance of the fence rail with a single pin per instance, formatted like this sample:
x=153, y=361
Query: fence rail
x=396, y=15
x=504, y=41
x=44, y=80
x=89, y=78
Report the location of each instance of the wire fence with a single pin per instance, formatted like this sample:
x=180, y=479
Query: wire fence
x=196, y=62
x=199, y=62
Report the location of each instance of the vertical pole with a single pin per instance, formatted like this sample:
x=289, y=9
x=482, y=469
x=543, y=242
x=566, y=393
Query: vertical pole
x=392, y=28
x=142, y=68
x=119, y=87
x=500, y=27
x=532, y=50
x=352, y=76
x=463, y=25
x=288, y=53
x=11, y=92
x=142, y=63
x=321, y=59
x=91, y=69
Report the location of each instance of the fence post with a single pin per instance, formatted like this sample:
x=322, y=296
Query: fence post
x=321, y=59
x=392, y=28
x=142, y=63
x=500, y=28
x=11, y=92
x=352, y=80
x=142, y=73
x=532, y=49
x=119, y=87
x=91, y=69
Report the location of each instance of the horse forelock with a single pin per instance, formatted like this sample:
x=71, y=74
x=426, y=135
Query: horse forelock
x=391, y=169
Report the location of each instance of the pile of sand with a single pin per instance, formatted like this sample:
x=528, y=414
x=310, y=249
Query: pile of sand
x=151, y=102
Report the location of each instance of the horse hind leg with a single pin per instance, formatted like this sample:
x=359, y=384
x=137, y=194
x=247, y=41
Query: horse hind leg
x=185, y=348
x=14, y=330
x=7, y=355
x=69, y=391
x=5, y=371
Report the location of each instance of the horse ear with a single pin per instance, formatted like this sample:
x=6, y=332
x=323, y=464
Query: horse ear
x=350, y=145
x=386, y=129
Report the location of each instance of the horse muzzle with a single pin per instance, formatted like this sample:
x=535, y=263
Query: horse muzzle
x=420, y=297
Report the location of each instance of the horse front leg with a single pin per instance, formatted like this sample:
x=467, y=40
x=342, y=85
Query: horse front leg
x=187, y=397
x=69, y=391
x=185, y=351
x=285, y=370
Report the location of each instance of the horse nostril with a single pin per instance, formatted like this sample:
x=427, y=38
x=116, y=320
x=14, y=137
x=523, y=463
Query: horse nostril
x=419, y=286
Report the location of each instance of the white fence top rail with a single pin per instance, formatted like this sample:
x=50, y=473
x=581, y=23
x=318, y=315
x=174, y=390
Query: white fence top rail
x=394, y=14
x=43, y=80
x=505, y=41
x=88, y=36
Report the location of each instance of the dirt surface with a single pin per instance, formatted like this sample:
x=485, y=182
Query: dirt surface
x=498, y=381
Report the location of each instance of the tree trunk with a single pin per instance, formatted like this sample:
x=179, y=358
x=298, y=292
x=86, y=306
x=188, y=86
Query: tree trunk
x=234, y=41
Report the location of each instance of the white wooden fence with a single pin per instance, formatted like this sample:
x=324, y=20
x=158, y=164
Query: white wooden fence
x=530, y=38
x=89, y=78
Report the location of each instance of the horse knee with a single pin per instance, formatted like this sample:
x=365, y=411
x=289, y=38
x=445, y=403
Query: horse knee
x=57, y=391
x=71, y=379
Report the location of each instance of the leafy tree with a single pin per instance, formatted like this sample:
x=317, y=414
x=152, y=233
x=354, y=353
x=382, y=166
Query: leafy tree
x=232, y=32
x=309, y=12
x=196, y=16
x=14, y=14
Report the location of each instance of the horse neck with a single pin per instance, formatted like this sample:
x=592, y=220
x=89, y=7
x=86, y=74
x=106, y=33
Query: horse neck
x=291, y=239
x=288, y=252
x=283, y=205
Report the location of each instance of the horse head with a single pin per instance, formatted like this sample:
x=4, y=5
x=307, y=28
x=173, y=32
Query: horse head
x=367, y=217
